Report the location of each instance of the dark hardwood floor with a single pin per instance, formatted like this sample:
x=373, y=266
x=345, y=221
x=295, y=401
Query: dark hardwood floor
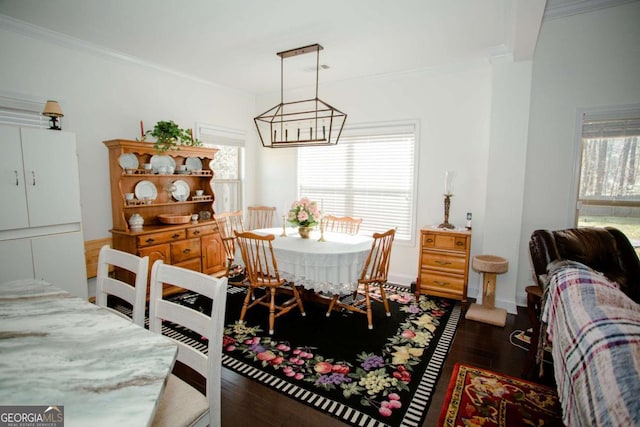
x=248, y=403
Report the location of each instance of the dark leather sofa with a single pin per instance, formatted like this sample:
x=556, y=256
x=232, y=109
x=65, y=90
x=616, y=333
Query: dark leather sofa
x=606, y=250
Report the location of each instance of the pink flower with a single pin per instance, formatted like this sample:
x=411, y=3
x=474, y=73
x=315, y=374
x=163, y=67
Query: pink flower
x=408, y=334
x=303, y=216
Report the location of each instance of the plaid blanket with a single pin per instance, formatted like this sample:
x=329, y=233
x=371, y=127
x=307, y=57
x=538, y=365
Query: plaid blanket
x=594, y=329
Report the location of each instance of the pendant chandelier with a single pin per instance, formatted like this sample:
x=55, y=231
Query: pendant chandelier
x=309, y=122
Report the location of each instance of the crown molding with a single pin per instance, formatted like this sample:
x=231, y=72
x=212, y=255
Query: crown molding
x=33, y=31
x=559, y=9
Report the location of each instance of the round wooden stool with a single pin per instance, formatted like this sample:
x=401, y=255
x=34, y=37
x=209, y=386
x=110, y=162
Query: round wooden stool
x=489, y=266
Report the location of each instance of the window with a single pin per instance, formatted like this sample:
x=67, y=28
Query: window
x=227, y=165
x=15, y=110
x=609, y=186
x=370, y=174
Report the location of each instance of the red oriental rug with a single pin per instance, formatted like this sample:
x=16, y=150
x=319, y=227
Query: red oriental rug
x=477, y=397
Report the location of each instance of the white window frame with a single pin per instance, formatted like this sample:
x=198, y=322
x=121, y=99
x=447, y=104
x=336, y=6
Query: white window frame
x=406, y=236
x=618, y=112
x=214, y=136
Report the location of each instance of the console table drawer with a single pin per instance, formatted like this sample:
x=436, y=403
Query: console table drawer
x=450, y=262
x=446, y=242
x=442, y=282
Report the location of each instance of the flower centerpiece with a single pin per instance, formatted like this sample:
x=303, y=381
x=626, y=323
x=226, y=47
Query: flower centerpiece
x=305, y=214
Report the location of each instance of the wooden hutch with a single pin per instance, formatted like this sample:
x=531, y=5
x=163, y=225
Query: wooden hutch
x=195, y=245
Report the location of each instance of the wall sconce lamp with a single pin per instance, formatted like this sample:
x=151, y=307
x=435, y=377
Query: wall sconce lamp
x=52, y=109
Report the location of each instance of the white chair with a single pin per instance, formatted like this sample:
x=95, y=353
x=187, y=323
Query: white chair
x=106, y=285
x=181, y=404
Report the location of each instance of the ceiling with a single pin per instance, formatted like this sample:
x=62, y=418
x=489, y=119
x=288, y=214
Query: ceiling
x=233, y=43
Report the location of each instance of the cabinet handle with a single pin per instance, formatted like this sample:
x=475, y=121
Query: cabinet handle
x=429, y=240
x=33, y=175
x=442, y=262
x=437, y=282
x=175, y=236
x=196, y=233
x=16, y=172
x=186, y=251
x=149, y=240
x=460, y=243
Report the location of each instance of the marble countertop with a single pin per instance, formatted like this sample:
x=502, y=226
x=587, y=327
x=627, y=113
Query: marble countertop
x=56, y=349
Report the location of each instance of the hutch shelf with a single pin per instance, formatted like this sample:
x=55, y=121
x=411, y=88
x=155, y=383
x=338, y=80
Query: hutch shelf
x=196, y=245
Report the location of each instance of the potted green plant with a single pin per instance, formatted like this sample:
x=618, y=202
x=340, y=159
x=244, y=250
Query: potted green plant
x=170, y=136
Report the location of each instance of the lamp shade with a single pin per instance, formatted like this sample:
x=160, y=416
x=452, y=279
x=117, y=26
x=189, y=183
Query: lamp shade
x=52, y=109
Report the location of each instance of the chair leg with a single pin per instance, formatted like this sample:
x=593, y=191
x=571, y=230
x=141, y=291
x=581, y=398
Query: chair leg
x=332, y=304
x=384, y=300
x=368, y=302
x=296, y=294
x=245, y=304
x=272, y=311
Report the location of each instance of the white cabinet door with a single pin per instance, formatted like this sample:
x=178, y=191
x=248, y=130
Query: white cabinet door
x=16, y=261
x=51, y=175
x=59, y=260
x=12, y=183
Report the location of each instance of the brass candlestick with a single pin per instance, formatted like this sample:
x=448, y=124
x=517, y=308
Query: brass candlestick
x=284, y=226
x=447, y=205
x=321, y=239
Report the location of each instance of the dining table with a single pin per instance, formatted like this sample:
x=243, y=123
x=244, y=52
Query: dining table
x=327, y=263
x=61, y=351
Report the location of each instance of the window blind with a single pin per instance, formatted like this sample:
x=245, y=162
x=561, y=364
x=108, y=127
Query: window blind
x=20, y=112
x=370, y=174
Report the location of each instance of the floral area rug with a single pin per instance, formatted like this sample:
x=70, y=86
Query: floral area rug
x=335, y=364
x=477, y=397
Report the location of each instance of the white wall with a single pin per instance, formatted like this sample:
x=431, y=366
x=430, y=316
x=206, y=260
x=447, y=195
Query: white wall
x=472, y=120
x=105, y=98
x=583, y=61
x=453, y=109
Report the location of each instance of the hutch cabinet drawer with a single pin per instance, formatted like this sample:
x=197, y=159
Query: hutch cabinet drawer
x=446, y=261
x=203, y=230
x=161, y=237
x=442, y=282
x=184, y=250
x=192, y=264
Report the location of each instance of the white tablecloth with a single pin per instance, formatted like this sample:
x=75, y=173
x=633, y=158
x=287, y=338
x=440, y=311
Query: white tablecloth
x=331, y=267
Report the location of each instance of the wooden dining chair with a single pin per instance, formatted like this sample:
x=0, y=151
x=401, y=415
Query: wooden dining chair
x=260, y=217
x=262, y=272
x=228, y=222
x=374, y=272
x=106, y=285
x=181, y=404
x=341, y=224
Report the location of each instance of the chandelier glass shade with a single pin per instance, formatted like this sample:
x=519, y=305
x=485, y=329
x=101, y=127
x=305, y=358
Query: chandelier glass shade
x=308, y=122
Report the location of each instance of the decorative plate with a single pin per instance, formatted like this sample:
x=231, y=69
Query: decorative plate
x=159, y=161
x=145, y=190
x=193, y=163
x=128, y=161
x=182, y=190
